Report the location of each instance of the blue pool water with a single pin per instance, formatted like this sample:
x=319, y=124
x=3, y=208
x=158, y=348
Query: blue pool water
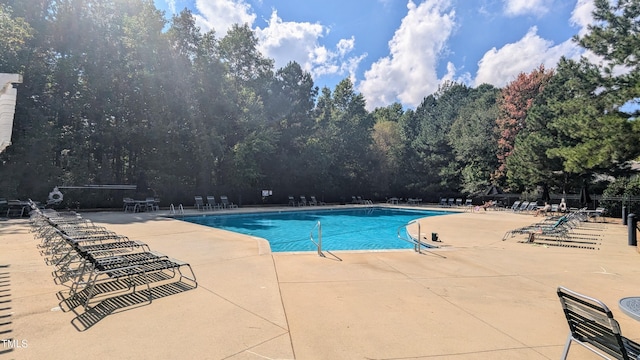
x=342, y=229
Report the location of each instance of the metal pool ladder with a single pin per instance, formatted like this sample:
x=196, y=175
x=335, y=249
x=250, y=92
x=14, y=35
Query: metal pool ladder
x=318, y=243
x=172, y=210
x=417, y=243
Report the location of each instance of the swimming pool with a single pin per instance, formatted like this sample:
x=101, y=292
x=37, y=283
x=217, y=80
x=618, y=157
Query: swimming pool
x=342, y=229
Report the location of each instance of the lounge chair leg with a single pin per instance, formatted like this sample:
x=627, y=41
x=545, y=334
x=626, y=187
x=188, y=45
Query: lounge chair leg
x=532, y=237
x=566, y=348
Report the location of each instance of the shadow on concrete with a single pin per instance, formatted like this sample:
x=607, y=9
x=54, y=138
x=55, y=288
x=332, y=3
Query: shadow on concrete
x=112, y=305
x=14, y=230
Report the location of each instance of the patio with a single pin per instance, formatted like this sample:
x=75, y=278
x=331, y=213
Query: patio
x=477, y=297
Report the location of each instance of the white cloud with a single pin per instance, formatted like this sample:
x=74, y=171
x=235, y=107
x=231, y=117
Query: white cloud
x=286, y=41
x=172, y=6
x=499, y=67
x=289, y=41
x=282, y=41
x=581, y=16
x=220, y=15
x=526, y=7
x=409, y=72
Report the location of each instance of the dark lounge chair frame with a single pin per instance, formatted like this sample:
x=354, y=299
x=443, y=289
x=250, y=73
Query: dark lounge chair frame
x=591, y=325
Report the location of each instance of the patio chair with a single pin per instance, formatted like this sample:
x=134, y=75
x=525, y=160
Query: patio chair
x=523, y=206
x=546, y=227
x=443, y=202
x=314, y=201
x=515, y=206
x=564, y=236
x=212, y=204
x=141, y=268
x=597, y=214
x=79, y=249
x=591, y=324
x=450, y=202
x=531, y=207
x=151, y=204
x=128, y=205
x=292, y=201
x=303, y=200
x=226, y=203
x=199, y=205
x=459, y=202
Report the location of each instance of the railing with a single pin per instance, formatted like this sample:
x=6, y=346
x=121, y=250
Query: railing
x=172, y=209
x=318, y=243
x=417, y=243
x=318, y=226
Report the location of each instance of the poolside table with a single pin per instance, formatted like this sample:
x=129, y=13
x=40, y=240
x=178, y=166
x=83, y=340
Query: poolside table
x=140, y=205
x=630, y=306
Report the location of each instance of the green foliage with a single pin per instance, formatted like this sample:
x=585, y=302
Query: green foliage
x=514, y=103
x=625, y=188
x=343, y=130
x=14, y=36
x=387, y=151
x=472, y=138
x=614, y=35
x=115, y=94
x=432, y=167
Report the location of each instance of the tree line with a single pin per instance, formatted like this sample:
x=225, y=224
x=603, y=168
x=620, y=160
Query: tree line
x=114, y=93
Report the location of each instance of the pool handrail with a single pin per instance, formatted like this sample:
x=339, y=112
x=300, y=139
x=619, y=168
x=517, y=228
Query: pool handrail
x=417, y=244
x=318, y=244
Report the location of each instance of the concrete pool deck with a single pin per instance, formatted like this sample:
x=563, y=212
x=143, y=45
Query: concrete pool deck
x=477, y=297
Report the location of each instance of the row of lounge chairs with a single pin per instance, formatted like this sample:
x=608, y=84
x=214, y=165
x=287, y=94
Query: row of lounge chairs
x=532, y=206
x=525, y=206
x=569, y=230
x=211, y=203
x=408, y=201
x=96, y=264
x=304, y=202
x=450, y=202
x=359, y=200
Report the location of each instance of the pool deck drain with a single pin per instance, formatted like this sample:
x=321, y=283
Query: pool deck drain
x=476, y=298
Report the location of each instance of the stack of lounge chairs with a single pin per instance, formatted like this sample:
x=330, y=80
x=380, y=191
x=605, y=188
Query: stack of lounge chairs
x=96, y=264
x=457, y=202
x=569, y=230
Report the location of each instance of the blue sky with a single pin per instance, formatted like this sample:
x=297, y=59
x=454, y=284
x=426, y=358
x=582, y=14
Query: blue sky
x=402, y=50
